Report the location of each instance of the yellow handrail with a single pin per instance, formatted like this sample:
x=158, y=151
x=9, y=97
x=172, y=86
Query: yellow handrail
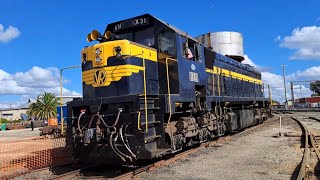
x=145, y=92
x=139, y=123
x=219, y=76
x=168, y=84
x=213, y=93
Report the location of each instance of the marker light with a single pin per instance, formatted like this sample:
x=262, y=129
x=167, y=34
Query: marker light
x=98, y=51
x=98, y=59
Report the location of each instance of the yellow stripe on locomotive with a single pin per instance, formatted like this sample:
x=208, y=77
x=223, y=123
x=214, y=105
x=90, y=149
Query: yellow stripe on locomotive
x=101, y=74
x=232, y=74
x=105, y=75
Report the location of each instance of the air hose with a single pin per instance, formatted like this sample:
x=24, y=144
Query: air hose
x=78, y=123
x=125, y=144
x=102, y=120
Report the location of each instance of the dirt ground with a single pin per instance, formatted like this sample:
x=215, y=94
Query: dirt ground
x=18, y=134
x=253, y=154
x=24, y=150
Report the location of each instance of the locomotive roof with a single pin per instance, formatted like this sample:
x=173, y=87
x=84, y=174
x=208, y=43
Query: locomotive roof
x=154, y=18
x=127, y=23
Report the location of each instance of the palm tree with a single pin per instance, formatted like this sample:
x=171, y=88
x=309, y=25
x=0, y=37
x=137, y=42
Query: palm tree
x=45, y=106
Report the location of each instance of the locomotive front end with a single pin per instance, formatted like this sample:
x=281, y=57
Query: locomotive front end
x=107, y=125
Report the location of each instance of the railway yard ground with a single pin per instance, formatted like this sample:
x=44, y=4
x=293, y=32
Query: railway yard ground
x=19, y=134
x=258, y=152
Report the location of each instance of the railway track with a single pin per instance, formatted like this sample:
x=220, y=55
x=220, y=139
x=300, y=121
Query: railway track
x=283, y=112
x=130, y=174
x=308, y=167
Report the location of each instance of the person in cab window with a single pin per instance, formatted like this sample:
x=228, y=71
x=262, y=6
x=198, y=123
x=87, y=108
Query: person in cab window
x=189, y=54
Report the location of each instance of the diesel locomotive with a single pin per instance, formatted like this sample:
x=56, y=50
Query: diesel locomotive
x=150, y=89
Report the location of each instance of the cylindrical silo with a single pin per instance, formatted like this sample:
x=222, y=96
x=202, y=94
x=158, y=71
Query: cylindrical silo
x=226, y=43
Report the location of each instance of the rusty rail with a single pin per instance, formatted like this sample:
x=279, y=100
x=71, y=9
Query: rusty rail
x=308, y=135
x=314, y=143
x=303, y=172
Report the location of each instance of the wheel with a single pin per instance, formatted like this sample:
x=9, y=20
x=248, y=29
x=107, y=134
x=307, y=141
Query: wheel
x=55, y=133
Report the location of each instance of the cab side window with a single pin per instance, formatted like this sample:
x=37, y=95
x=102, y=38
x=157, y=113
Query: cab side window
x=166, y=42
x=190, y=50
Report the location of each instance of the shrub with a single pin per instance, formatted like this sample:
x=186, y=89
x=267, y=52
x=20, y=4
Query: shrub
x=4, y=121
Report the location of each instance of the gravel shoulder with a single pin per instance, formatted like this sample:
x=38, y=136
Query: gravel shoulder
x=253, y=154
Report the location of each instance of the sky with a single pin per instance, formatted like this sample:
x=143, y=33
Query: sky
x=37, y=38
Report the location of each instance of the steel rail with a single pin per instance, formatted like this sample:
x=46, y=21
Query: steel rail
x=314, y=143
x=305, y=160
x=72, y=174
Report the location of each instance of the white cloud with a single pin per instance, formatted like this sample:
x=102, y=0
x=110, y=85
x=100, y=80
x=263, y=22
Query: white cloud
x=247, y=60
x=8, y=34
x=276, y=83
x=306, y=42
x=311, y=73
x=276, y=80
x=48, y=77
x=32, y=82
x=278, y=38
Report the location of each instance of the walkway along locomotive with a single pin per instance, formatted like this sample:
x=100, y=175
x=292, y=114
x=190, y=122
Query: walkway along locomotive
x=150, y=89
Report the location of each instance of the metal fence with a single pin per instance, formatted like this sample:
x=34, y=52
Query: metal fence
x=20, y=156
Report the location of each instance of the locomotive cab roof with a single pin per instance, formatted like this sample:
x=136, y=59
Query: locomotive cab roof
x=140, y=21
x=147, y=20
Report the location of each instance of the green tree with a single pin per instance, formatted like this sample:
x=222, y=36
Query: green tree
x=315, y=87
x=45, y=106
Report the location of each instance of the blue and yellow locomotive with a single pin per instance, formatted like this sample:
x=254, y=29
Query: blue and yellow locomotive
x=150, y=89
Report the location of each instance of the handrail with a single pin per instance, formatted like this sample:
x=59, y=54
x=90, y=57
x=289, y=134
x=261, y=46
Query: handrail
x=144, y=91
x=139, y=120
x=219, y=78
x=168, y=84
x=213, y=93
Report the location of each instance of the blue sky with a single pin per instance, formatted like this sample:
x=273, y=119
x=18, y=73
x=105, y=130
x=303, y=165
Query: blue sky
x=51, y=35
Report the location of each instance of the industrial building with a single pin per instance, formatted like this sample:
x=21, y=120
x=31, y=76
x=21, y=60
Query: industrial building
x=308, y=102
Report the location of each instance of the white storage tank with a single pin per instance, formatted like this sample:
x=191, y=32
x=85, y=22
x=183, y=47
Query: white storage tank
x=226, y=43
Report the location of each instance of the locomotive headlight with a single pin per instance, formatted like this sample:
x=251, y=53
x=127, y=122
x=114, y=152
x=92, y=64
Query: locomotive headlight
x=117, y=49
x=118, y=52
x=98, y=59
x=97, y=51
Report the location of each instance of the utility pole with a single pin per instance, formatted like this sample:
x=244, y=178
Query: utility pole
x=284, y=84
x=300, y=92
x=292, y=95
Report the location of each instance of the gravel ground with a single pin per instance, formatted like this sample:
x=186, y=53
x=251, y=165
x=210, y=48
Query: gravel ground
x=254, y=154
